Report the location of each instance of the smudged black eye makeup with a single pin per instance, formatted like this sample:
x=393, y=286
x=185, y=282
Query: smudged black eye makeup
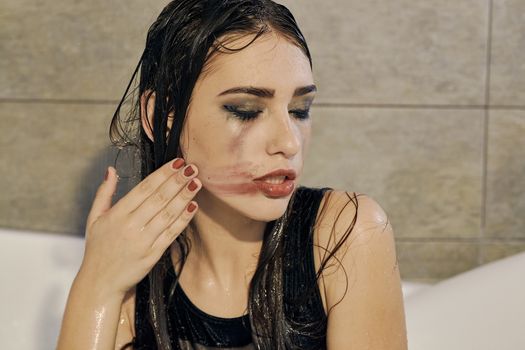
x=301, y=113
x=242, y=113
x=247, y=115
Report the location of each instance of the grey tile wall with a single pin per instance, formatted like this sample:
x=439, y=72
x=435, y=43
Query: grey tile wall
x=422, y=165
x=51, y=155
x=72, y=50
x=397, y=52
x=505, y=206
x=421, y=105
x=494, y=251
x=507, y=84
x=433, y=260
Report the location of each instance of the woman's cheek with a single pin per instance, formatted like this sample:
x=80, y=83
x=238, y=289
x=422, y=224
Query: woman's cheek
x=236, y=179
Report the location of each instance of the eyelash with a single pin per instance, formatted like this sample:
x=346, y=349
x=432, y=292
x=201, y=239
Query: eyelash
x=301, y=114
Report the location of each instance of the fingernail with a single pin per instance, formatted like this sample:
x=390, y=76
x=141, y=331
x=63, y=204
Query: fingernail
x=107, y=175
x=178, y=163
x=191, y=207
x=192, y=186
x=189, y=170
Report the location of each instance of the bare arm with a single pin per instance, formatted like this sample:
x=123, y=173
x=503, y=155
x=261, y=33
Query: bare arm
x=91, y=316
x=126, y=324
x=370, y=313
x=123, y=242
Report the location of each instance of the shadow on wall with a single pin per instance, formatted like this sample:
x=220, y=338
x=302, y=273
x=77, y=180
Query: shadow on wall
x=127, y=164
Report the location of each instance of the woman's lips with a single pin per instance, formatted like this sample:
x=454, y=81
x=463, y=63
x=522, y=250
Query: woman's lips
x=238, y=180
x=275, y=190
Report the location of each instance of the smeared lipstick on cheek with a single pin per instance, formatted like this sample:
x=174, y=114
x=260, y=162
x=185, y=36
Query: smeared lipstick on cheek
x=241, y=164
x=233, y=180
x=237, y=178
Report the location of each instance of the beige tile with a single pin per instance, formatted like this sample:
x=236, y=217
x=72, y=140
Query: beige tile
x=72, y=50
x=53, y=159
x=422, y=166
x=427, y=261
x=508, y=53
x=364, y=51
x=397, y=52
x=499, y=250
x=505, y=175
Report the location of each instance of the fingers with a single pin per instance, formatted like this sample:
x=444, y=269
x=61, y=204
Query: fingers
x=146, y=187
x=104, y=196
x=155, y=204
x=172, y=210
x=172, y=231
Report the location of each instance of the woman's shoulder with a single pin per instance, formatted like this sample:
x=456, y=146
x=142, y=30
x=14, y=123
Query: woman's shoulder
x=336, y=200
x=363, y=286
x=350, y=223
x=341, y=210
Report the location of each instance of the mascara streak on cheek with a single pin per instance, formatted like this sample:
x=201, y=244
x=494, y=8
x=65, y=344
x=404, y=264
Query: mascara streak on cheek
x=238, y=141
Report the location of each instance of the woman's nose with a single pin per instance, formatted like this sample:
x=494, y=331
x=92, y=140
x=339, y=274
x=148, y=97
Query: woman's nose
x=284, y=136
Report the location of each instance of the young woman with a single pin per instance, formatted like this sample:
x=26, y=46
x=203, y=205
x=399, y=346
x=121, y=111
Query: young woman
x=219, y=246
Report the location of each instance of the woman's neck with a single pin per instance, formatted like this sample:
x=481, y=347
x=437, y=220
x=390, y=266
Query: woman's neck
x=225, y=247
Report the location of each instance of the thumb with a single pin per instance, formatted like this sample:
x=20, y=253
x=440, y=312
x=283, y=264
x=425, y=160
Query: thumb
x=104, y=195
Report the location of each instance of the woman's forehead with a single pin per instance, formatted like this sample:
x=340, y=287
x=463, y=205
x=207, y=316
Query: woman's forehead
x=268, y=61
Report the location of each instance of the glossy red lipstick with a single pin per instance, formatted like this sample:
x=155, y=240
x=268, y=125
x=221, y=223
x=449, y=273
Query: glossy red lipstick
x=277, y=190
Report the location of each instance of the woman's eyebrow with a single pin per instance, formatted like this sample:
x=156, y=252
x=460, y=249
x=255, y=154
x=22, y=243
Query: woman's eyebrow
x=266, y=93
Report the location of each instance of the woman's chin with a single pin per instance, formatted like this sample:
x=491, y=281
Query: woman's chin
x=255, y=206
x=266, y=218
x=264, y=208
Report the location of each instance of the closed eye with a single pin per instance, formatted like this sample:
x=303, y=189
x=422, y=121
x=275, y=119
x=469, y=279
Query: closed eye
x=246, y=115
x=241, y=114
x=301, y=113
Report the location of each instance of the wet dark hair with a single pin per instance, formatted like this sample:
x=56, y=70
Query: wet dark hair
x=180, y=46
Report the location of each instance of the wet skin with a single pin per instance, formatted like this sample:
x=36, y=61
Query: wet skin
x=233, y=138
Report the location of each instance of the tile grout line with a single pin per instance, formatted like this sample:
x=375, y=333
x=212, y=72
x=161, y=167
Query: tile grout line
x=58, y=101
x=484, y=151
x=319, y=104
x=459, y=240
x=417, y=106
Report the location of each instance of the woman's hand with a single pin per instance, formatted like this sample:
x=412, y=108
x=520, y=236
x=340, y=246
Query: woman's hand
x=124, y=241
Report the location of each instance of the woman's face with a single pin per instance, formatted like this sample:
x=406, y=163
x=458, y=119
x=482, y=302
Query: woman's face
x=231, y=152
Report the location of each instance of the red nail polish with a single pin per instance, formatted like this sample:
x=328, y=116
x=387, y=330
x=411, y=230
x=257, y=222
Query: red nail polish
x=177, y=164
x=191, y=207
x=107, y=175
x=188, y=171
x=192, y=186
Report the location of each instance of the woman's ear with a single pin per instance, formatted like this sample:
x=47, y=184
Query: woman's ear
x=147, y=104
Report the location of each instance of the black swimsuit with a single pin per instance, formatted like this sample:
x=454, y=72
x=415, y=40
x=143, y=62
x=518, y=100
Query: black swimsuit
x=192, y=328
